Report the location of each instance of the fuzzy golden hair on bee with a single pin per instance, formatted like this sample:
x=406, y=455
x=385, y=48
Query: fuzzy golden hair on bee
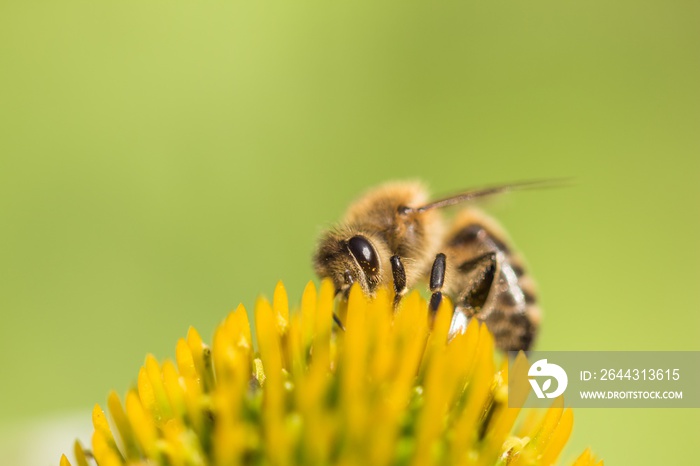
x=376, y=218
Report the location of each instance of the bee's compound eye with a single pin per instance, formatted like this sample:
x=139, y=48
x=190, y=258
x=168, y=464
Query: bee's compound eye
x=364, y=254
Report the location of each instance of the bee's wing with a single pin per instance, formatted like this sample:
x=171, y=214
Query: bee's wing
x=492, y=190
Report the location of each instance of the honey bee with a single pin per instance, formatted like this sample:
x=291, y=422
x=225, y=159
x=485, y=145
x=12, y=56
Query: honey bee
x=394, y=235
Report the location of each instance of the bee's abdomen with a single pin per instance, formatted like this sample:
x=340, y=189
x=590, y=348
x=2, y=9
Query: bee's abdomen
x=474, y=246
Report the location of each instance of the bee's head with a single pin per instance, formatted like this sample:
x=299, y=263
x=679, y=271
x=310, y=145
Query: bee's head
x=349, y=257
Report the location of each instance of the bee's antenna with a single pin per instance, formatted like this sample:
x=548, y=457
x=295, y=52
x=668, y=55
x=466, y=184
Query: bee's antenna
x=490, y=191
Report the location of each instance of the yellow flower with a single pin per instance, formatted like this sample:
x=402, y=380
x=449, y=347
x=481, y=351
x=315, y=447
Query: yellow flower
x=389, y=389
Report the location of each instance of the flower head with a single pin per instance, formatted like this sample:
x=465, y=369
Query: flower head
x=388, y=389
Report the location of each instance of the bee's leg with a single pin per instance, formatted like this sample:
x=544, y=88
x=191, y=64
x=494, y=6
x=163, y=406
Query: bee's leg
x=399, y=274
x=337, y=321
x=437, y=279
x=483, y=272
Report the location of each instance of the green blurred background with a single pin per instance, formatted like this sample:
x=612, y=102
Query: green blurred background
x=161, y=162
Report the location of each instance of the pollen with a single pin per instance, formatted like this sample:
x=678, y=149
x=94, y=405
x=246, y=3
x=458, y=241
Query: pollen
x=389, y=389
